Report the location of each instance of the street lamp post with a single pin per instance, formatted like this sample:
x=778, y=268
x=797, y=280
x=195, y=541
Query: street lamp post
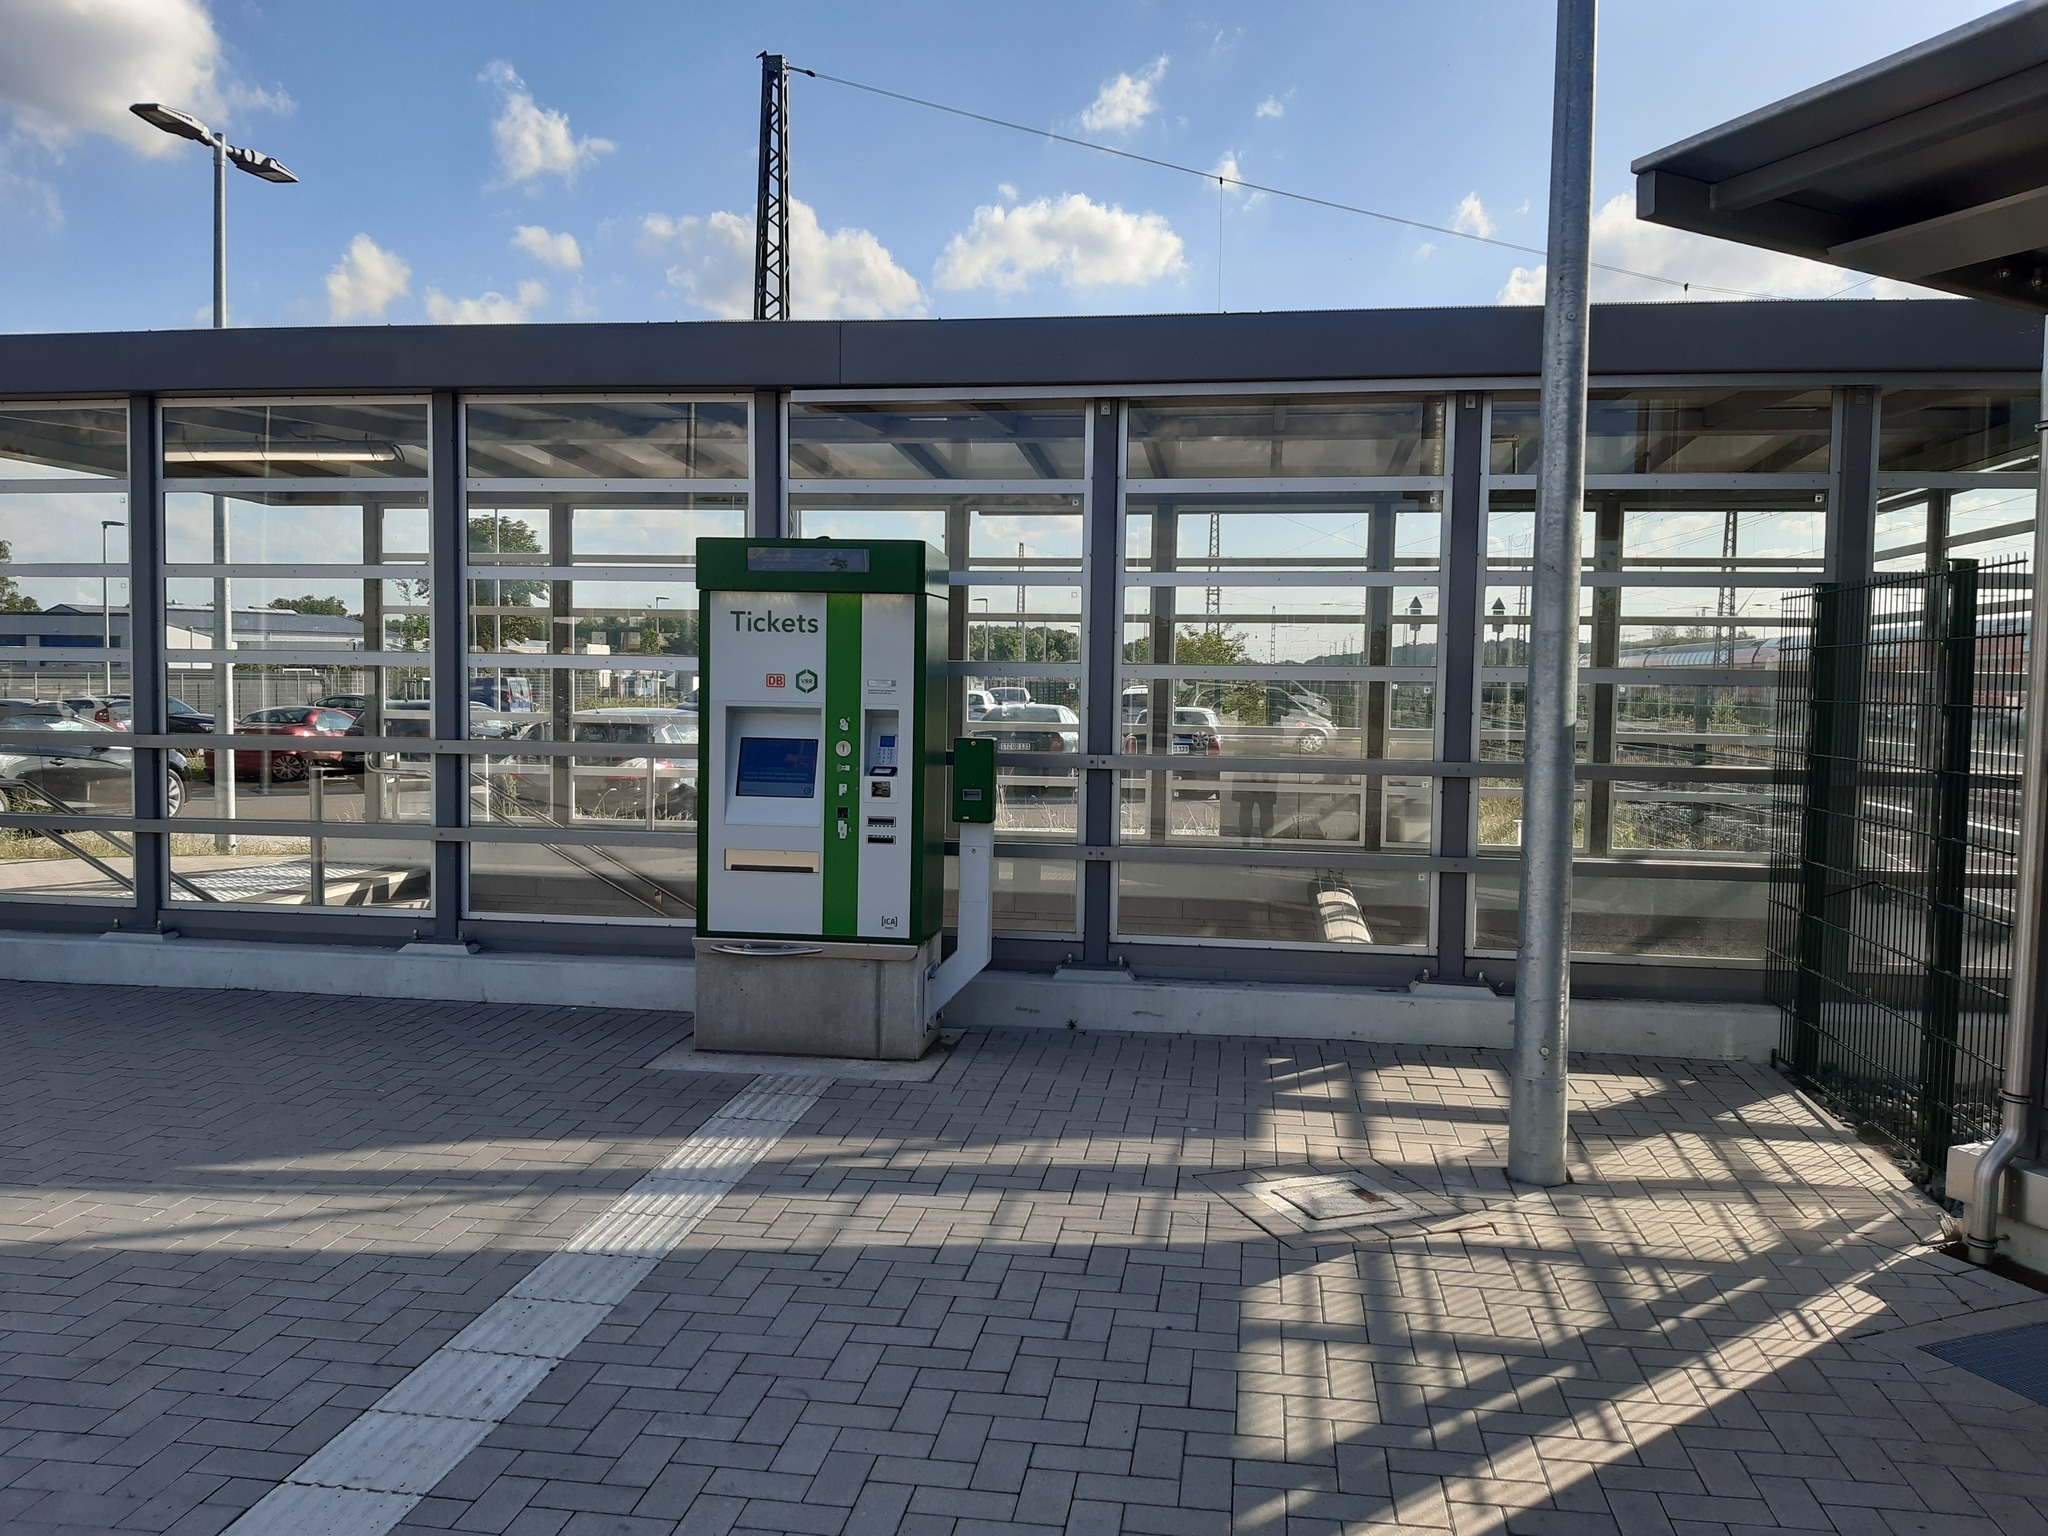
x=264, y=168
x=107, y=616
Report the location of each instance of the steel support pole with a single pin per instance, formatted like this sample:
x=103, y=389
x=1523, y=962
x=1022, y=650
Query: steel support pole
x=1538, y=1089
x=220, y=231
x=2023, y=1026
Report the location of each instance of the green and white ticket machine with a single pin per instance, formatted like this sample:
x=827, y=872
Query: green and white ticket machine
x=822, y=793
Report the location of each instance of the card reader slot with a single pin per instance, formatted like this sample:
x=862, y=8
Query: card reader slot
x=772, y=861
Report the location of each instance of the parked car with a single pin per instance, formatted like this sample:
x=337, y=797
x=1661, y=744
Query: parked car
x=979, y=703
x=304, y=721
x=183, y=719
x=1197, y=732
x=56, y=705
x=1030, y=728
x=352, y=703
x=83, y=767
x=1010, y=695
x=615, y=786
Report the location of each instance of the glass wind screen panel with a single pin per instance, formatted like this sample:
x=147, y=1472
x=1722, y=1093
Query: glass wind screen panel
x=77, y=528
x=1031, y=897
x=1279, y=717
x=1503, y=716
x=65, y=761
x=508, y=704
x=393, y=698
x=607, y=440
x=978, y=533
x=1220, y=807
x=592, y=529
x=1281, y=626
x=302, y=440
x=294, y=528
x=1044, y=626
x=571, y=879
x=1294, y=532
x=339, y=873
x=985, y=440
x=320, y=613
x=320, y=777
x=1674, y=530
x=1500, y=813
x=632, y=621
x=1727, y=727
x=64, y=443
x=1364, y=909
x=67, y=613
x=1950, y=430
x=1921, y=528
x=646, y=777
x=1730, y=822
x=78, y=864
x=1679, y=432
x=1616, y=915
x=1285, y=437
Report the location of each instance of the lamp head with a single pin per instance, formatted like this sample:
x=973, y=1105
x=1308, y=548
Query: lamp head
x=259, y=165
x=183, y=124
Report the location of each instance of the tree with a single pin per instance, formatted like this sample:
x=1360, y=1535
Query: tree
x=332, y=606
x=12, y=598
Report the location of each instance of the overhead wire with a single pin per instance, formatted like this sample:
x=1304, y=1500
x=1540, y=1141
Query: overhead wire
x=1271, y=191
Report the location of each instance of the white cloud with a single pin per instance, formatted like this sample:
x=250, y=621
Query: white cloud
x=1272, y=106
x=1084, y=243
x=845, y=275
x=71, y=67
x=1471, y=217
x=534, y=140
x=491, y=308
x=1125, y=102
x=1712, y=267
x=365, y=281
x=1425, y=250
x=1007, y=191
x=559, y=251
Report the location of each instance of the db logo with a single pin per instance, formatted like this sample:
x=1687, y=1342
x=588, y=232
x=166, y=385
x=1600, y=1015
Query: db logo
x=777, y=680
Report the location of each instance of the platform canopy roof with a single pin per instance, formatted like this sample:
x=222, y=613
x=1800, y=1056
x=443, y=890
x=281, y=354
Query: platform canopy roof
x=1930, y=166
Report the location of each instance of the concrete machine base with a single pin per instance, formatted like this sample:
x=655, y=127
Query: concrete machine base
x=814, y=999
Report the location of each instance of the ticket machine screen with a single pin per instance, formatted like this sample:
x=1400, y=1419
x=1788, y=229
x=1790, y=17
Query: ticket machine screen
x=777, y=768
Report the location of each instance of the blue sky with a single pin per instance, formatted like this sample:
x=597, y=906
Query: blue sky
x=516, y=160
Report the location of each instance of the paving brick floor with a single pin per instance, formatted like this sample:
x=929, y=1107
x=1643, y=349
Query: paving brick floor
x=1033, y=1295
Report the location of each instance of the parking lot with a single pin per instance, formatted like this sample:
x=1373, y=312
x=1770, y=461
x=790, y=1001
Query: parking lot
x=1042, y=1291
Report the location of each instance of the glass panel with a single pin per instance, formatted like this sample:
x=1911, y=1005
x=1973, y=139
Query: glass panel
x=1281, y=626
x=568, y=879
x=74, y=528
x=594, y=529
x=1674, y=530
x=1258, y=717
x=1948, y=430
x=1919, y=529
x=1353, y=908
x=64, y=443
x=1500, y=812
x=299, y=613
x=1032, y=896
x=1226, y=809
x=1728, y=727
x=74, y=865
x=1679, y=432
x=1021, y=624
x=1278, y=437
x=615, y=440
x=294, y=528
x=1613, y=915
x=985, y=440
x=55, y=633
x=66, y=761
x=1717, y=821
x=1503, y=709
x=259, y=870
x=647, y=779
x=1294, y=531
x=295, y=440
x=978, y=533
x=630, y=620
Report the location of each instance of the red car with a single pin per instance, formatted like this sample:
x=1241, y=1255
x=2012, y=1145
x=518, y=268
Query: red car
x=288, y=766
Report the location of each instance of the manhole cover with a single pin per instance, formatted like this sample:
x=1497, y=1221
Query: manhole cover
x=1325, y=1201
x=2016, y=1358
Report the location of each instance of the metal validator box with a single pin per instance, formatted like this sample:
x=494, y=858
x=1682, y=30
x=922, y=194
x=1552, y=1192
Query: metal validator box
x=822, y=804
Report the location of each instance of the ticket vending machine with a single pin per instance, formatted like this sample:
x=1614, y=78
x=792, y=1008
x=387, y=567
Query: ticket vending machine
x=823, y=804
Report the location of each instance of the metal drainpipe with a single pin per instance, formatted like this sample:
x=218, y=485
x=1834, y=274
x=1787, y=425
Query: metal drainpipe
x=1980, y=1216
